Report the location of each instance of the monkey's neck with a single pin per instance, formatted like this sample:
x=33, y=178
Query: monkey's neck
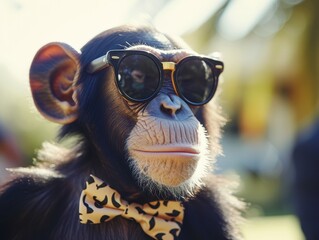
x=111, y=170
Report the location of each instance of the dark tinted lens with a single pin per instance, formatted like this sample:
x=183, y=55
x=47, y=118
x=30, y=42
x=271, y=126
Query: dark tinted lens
x=195, y=80
x=138, y=77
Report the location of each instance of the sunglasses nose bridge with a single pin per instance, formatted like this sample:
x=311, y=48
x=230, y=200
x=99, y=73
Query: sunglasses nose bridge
x=170, y=66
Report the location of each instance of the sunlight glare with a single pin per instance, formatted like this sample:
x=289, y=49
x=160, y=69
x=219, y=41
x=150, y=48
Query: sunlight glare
x=241, y=16
x=181, y=16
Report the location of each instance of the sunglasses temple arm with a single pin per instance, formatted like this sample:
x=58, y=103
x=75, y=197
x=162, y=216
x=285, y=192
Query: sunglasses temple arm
x=98, y=64
x=219, y=67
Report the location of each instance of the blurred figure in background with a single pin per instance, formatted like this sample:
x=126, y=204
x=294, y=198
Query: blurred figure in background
x=10, y=153
x=305, y=159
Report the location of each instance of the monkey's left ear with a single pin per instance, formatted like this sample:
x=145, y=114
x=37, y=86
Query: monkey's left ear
x=53, y=75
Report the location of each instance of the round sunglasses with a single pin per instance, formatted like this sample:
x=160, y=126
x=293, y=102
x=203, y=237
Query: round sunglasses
x=140, y=75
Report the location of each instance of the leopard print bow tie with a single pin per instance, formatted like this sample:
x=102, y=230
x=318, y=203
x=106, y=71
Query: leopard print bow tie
x=101, y=203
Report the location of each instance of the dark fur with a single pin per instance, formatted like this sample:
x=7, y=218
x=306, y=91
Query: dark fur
x=42, y=203
x=305, y=186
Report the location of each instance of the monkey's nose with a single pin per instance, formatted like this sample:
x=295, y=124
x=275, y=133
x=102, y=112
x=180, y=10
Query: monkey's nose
x=170, y=105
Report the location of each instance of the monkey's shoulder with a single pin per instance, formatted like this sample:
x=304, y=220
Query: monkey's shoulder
x=214, y=211
x=32, y=203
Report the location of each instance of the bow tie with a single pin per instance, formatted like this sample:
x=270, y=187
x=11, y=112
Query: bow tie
x=100, y=203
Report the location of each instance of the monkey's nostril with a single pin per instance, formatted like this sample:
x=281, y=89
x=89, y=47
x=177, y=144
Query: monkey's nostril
x=170, y=108
x=167, y=111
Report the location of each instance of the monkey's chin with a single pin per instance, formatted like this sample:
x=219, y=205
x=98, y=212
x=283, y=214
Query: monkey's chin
x=168, y=168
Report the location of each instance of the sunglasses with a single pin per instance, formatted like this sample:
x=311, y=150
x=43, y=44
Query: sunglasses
x=140, y=75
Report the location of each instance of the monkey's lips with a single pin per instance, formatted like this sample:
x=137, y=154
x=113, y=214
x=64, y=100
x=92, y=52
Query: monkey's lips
x=170, y=164
x=185, y=151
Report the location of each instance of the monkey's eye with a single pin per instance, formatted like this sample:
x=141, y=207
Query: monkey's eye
x=195, y=80
x=138, y=77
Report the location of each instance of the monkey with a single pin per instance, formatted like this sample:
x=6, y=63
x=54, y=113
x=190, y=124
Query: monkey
x=130, y=98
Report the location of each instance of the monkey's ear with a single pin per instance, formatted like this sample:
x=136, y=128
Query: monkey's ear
x=53, y=75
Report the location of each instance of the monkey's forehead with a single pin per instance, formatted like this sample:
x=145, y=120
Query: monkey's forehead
x=173, y=55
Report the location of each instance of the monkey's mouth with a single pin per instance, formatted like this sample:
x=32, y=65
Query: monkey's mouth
x=187, y=151
x=168, y=164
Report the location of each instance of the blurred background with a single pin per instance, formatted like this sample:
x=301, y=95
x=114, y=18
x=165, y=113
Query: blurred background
x=270, y=89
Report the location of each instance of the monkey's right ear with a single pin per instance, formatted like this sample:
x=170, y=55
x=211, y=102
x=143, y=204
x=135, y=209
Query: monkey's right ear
x=53, y=75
